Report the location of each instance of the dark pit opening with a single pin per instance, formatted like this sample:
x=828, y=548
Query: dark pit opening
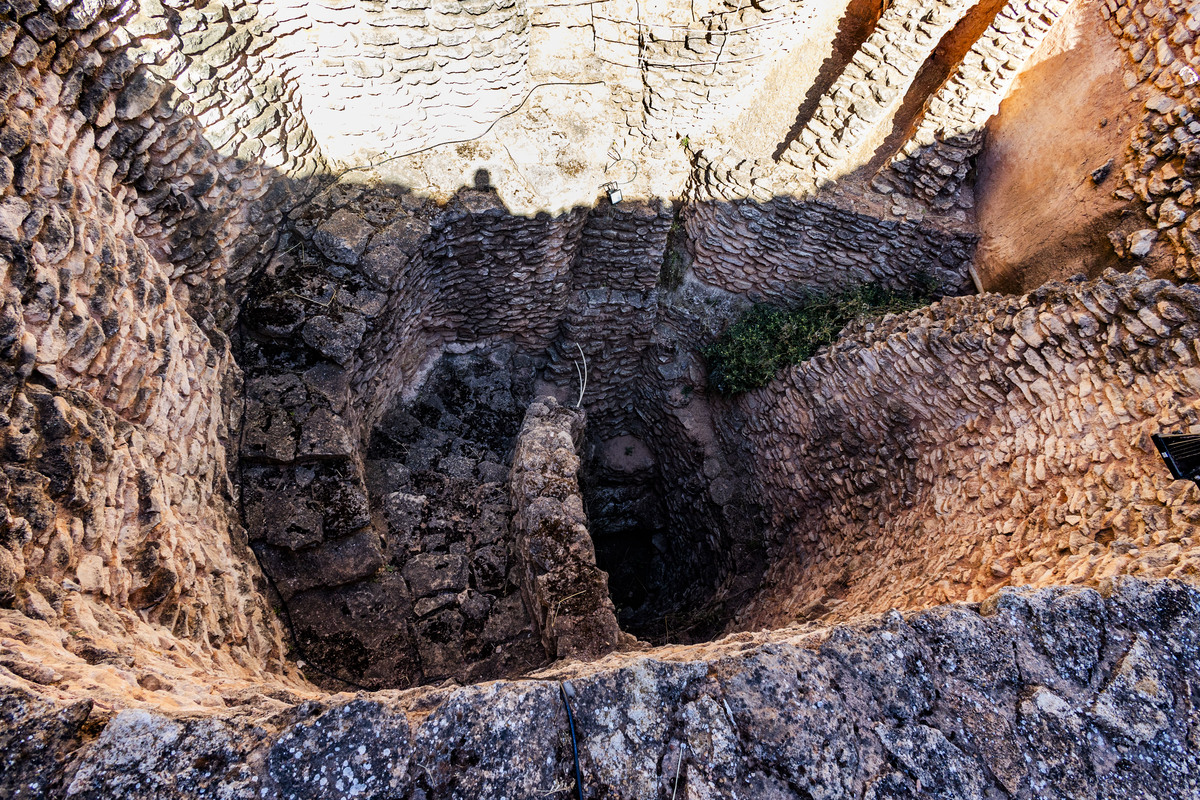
x=676, y=563
x=630, y=528
x=451, y=599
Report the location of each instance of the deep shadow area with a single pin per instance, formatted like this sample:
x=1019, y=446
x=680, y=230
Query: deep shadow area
x=374, y=476
x=437, y=471
x=630, y=530
x=663, y=577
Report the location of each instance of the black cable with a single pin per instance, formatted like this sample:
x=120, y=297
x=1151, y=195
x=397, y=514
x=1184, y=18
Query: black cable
x=566, y=689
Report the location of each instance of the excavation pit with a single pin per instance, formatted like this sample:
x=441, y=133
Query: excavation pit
x=461, y=588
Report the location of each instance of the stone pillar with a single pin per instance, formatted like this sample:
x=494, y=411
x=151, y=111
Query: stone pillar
x=566, y=593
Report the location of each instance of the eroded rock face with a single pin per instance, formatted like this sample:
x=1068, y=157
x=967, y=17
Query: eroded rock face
x=1049, y=693
x=565, y=590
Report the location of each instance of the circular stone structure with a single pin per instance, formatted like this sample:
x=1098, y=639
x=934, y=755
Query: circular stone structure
x=360, y=434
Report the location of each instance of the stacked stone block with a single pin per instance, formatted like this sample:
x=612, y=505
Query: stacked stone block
x=934, y=163
x=985, y=441
x=868, y=92
x=219, y=57
x=1163, y=159
x=566, y=592
x=783, y=248
x=416, y=74
x=116, y=217
x=611, y=312
x=695, y=72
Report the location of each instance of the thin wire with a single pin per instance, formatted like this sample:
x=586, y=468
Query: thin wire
x=678, y=762
x=562, y=689
x=685, y=64
x=583, y=379
x=488, y=130
x=618, y=160
x=784, y=20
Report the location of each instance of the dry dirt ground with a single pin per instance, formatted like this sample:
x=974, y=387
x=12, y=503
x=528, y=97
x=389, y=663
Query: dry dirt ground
x=1041, y=216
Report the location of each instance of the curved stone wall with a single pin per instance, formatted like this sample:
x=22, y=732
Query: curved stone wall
x=120, y=227
x=216, y=296
x=986, y=441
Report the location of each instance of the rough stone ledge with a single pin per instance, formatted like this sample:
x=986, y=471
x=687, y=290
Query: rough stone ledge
x=1057, y=692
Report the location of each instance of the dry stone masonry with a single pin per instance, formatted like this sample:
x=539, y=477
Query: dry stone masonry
x=1063, y=484
x=934, y=163
x=560, y=580
x=304, y=305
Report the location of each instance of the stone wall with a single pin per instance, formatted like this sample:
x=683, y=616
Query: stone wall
x=370, y=287
x=933, y=164
x=846, y=125
x=1163, y=155
x=423, y=74
x=698, y=66
x=120, y=230
x=610, y=314
x=779, y=249
x=222, y=61
x=983, y=442
x=894, y=146
x=564, y=590
x=160, y=174
x=1073, y=693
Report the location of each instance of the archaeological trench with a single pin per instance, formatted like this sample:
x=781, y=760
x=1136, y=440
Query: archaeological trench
x=358, y=437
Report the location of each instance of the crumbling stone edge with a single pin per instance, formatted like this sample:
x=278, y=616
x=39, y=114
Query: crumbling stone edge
x=1061, y=691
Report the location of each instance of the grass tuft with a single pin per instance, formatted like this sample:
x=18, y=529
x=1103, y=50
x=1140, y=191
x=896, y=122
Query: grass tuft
x=752, y=350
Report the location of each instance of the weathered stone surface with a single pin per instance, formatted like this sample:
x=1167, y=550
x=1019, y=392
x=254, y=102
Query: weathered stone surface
x=563, y=587
x=1057, y=354
x=343, y=237
x=203, y=343
x=329, y=564
x=1140, y=242
x=781, y=713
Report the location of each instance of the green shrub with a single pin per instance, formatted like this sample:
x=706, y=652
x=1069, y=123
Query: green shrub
x=752, y=350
